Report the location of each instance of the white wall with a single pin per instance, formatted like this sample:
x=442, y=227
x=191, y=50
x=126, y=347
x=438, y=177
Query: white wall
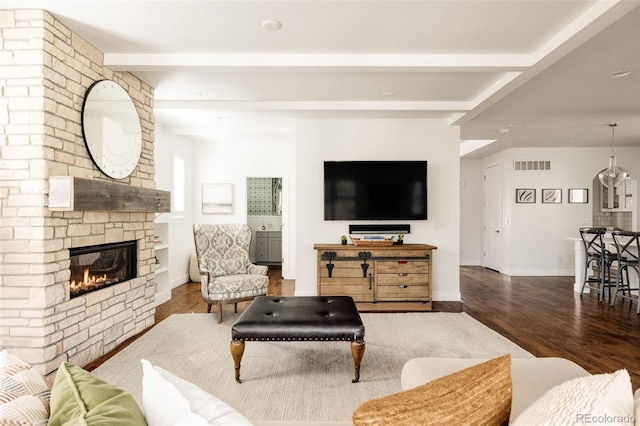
x=471, y=223
x=534, y=236
x=181, y=244
x=380, y=139
x=234, y=162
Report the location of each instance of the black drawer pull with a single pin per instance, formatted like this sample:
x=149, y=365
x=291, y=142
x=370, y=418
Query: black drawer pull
x=403, y=286
x=403, y=274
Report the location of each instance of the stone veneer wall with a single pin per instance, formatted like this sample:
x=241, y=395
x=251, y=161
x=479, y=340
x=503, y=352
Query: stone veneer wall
x=46, y=71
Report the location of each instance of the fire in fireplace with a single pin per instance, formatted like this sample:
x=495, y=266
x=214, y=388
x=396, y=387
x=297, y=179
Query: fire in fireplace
x=100, y=266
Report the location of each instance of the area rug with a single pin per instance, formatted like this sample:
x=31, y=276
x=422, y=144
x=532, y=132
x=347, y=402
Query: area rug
x=301, y=381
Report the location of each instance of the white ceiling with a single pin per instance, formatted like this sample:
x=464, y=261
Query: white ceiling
x=483, y=65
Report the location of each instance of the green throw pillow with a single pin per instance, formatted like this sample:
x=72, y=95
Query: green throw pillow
x=80, y=398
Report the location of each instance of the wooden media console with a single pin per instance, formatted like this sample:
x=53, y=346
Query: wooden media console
x=398, y=273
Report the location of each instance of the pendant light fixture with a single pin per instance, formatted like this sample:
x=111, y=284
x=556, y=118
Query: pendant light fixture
x=613, y=175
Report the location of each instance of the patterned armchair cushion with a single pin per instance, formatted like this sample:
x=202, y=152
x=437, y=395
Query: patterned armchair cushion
x=221, y=267
x=257, y=269
x=229, y=287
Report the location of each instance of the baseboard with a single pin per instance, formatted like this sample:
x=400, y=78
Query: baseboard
x=540, y=272
x=161, y=297
x=182, y=279
x=447, y=296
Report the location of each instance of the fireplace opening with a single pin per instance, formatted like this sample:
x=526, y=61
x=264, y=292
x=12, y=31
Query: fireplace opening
x=100, y=266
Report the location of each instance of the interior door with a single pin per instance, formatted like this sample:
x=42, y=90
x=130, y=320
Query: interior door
x=493, y=216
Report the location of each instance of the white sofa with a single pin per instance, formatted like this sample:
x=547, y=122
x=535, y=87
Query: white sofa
x=531, y=378
x=168, y=396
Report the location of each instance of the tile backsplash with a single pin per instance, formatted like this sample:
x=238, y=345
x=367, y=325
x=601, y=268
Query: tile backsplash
x=621, y=220
x=264, y=196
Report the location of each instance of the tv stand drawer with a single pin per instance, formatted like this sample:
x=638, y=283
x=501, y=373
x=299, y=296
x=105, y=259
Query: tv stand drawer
x=402, y=267
x=402, y=292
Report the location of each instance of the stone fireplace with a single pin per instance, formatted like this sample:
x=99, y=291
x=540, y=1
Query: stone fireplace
x=43, y=86
x=96, y=267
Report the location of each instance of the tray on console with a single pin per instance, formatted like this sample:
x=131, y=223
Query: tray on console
x=372, y=243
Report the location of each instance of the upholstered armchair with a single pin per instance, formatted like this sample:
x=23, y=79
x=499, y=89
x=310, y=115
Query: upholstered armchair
x=226, y=273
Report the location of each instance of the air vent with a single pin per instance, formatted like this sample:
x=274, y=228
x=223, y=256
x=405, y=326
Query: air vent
x=527, y=165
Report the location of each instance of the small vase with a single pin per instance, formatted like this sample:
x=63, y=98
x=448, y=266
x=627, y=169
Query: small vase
x=344, y=242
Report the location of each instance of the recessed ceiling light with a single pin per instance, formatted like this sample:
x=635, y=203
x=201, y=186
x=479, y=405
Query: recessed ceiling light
x=619, y=74
x=271, y=25
x=515, y=124
x=387, y=94
x=504, y=130
x=574, y=140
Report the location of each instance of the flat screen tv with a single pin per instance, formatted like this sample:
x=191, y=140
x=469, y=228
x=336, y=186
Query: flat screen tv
x=375, y=190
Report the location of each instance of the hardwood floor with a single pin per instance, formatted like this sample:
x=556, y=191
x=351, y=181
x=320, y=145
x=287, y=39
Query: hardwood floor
x=546, y=317
x=541, y=314
x=187, y=298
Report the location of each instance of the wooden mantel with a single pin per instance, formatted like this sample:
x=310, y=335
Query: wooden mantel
x=70, y=193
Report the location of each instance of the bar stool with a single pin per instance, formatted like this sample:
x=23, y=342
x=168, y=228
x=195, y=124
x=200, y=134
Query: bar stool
x=597, y=255
x=628, y=249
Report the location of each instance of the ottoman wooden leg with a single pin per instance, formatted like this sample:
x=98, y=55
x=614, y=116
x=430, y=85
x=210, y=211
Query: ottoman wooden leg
x=237, y=349
x=357, y=350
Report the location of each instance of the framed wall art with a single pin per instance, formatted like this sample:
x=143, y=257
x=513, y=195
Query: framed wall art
x=526, y=195
x=578, y=195
x=552, y=196
x=217, y=198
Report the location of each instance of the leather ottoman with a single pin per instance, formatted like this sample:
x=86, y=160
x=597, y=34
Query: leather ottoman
x=298, y=319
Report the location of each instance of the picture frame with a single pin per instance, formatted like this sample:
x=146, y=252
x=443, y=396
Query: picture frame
x=552, y=196
x=578, y=195
x=217, y=198
x=525, y=195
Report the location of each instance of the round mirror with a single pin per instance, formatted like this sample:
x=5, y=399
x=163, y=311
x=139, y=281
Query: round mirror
x=111, y=129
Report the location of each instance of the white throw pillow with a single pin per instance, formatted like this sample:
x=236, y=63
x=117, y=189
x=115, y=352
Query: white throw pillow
x=598, y=399
x=169, y=400
x=637, y=396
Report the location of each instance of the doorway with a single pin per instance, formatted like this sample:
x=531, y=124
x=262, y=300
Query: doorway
x=264, y=217
x=493, y=217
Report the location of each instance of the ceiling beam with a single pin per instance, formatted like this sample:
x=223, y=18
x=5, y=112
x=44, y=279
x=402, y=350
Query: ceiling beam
x=355, y=62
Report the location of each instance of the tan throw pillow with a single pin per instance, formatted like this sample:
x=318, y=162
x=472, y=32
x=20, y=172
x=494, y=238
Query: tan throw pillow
x=479, y=395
